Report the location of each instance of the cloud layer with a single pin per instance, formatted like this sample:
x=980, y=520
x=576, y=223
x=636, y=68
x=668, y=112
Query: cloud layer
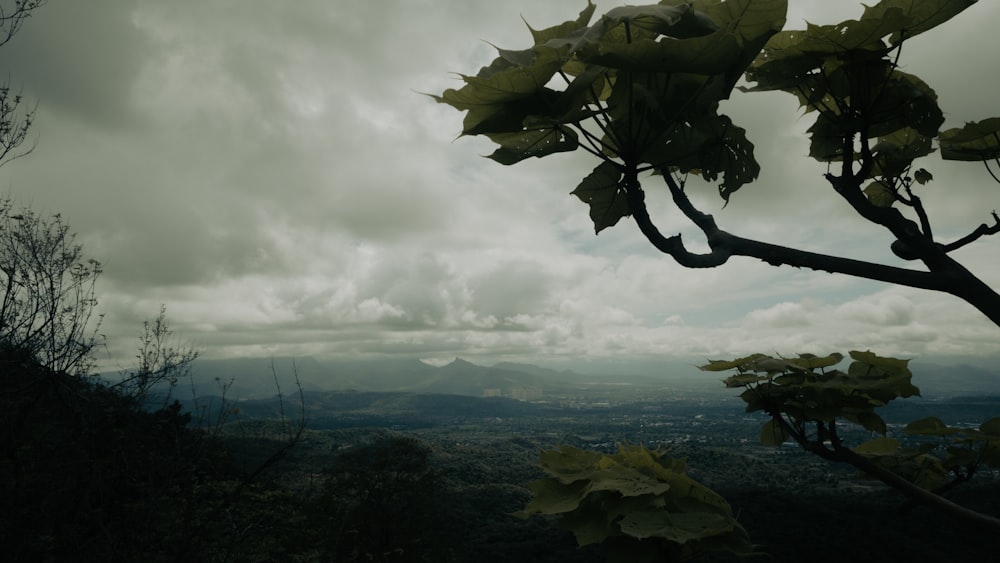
x=271, y=173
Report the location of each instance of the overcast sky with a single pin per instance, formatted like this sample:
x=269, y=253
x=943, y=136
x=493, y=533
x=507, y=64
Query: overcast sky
x=270, y=172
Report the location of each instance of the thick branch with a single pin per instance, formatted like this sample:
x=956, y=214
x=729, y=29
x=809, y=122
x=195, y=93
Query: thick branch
x=725, y=245
x=945, y=275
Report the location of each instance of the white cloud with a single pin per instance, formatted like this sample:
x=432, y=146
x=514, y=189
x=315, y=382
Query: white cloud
x=270, y=172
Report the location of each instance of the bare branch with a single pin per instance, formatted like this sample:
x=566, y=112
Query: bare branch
x=981, y=230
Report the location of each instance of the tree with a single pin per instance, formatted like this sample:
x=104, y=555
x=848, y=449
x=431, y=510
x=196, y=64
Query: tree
x=48, y=290
x=14, y=119
x=380, y=501
x=640, y=90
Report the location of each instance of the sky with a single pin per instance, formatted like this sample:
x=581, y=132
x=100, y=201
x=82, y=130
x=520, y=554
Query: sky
x=272, y=173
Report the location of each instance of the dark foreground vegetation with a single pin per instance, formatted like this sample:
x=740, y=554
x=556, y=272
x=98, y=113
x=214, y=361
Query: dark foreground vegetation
x=90, y=475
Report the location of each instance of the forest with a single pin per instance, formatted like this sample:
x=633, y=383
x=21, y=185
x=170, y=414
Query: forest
x=92, y=475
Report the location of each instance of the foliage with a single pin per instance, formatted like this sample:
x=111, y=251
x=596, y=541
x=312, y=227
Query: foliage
x=804, y=401
x=379, y=502
x=161, y=363
x=639, y=502
x=803, y=392
x=15, y=121
x=48, y=290
x=956, y=455
x=640, y=88
x=641, y=92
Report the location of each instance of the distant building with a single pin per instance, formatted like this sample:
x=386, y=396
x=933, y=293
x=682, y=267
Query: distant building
x=526, y=394
x=492, y=393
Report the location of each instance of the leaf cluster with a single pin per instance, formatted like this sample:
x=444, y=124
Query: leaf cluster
x=955, y=457
x=639, y=88
x=803, y=391
x=640, y=503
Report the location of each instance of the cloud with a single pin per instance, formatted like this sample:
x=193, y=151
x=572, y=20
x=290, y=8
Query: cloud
x=271, y=172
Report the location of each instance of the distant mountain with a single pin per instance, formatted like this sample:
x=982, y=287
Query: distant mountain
x=254, y=378
x=938, y=381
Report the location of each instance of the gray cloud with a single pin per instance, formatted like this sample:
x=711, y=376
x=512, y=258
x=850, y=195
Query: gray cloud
x=272, y=174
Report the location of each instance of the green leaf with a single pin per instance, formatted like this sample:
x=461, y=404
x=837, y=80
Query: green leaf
x=543, y=141
x=744, y=380
x=512, y=88
x=601, y=191
x=878, y=447
x=929, y=426
x=879, y=195
x=975, y=141
x=960, y=457
x=811, y=361
x=568, y=28
x=918, y=16
x=773, y=433
x=991, y=427
x=677, y=527
x=551, y=496
x=870, y=421
x=894, y=153
x=752, y=362
x=922, y=176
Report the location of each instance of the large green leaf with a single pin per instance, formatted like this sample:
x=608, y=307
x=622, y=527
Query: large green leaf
x=973, y=142
x=991, y=428
x=929, y=426
x=648, y=77
x=540, y=141
x=601, y=190
x=502, y=95
x=894, y=153
x=812, y=361
x=566, y=29
x=773, y=433
x=878, y=446
x=918, y=16
x=633, y=498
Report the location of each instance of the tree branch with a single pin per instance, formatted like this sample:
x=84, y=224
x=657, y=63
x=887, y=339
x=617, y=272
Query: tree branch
x=840, y=453
x=725, y=245
x=980, y=231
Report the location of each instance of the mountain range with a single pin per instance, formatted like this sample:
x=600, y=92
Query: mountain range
x=250, y=378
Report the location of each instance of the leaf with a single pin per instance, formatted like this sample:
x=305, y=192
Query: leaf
x=991, y=427
x=773, y=433
x=677, y=527
x=960, y=457
x=600, y=190
x=546, y=140
x=878, y=447
x=745, y=363
x=811, y=361
x=870, y=421
x=743, y=380
x=564, y=29
x=918, y=16
x=894, y=153
x=929, y=426
x=879, y=195
x=501, y=96
x=569, y=464
x=975, y=141
x=922, y=176
x=554, y=497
